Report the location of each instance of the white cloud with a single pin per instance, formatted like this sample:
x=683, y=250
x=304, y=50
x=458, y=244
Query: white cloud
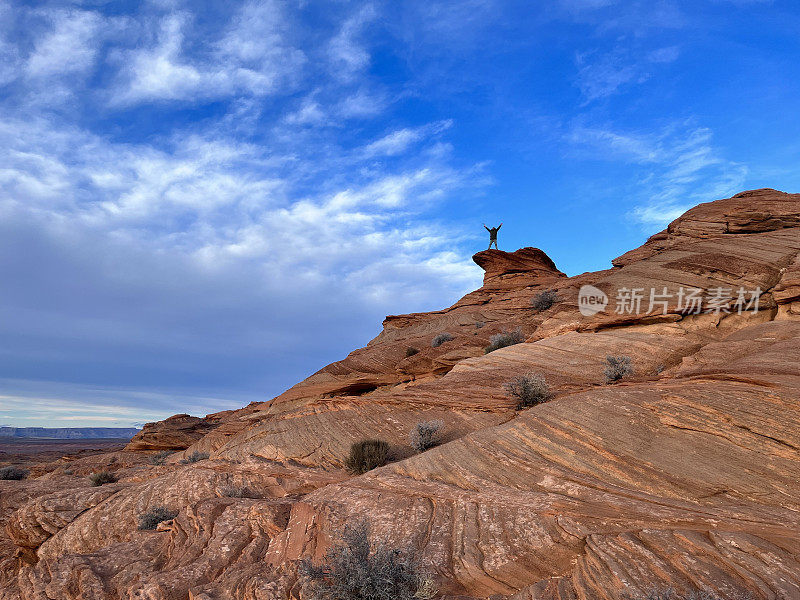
x=251, y=57
x=69, y=48
x=346, y=53
x=195, y=250
x=397, y=142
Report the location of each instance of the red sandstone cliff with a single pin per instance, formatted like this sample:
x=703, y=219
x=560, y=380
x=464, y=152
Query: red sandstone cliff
x=685, y=474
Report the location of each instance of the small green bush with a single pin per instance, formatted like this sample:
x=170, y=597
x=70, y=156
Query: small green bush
x=504, y=339
x=411, y=351
x=367, y=455
x=543, y=300
x=357, y=569
x=102, y=478
x=154, y=516
x=159, y=458
x=529, y=390
x=13, y=473
x=426, y=434
x=617, y=367
x=195, y=457
x=441, y=339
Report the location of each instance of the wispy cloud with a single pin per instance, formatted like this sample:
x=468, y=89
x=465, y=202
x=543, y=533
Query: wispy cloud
x=252, y=56
x=603, y=74
x=679, y=166
x=401, y=140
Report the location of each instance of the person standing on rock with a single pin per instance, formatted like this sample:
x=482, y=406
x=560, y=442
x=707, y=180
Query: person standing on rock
x=492, y=235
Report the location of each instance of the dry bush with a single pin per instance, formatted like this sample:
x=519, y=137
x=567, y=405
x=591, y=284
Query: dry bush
x=195, y=457
x=237, y=491
x=367, y=455
x=617, y=367
x=159, y=458
x=504, y=339
x=544, y=300
x=426, y=434
x=13, y=473
x=357, y=569
x=441, y=339
x=102, y=478
x=154, y=516
x=411, y=351
x=529, y=390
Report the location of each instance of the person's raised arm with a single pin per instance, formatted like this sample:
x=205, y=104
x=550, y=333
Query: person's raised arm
x=485, y=227
x=499, y=226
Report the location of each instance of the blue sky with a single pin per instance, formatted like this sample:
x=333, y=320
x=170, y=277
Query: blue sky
x=203, y=203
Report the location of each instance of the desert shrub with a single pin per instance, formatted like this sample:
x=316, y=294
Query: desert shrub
x=159, y=458
x=236, y=491
x=543, y=300
x=617, y=367
x=411, y=351
x=195, y=457
x=13, y=473
x=529, y=390
x=367, y=455
x=357, y=569
x=154, y=516
x=102, y=478
x=426, y=434
x=503, y=339
x=479, y=324
x=441, y=339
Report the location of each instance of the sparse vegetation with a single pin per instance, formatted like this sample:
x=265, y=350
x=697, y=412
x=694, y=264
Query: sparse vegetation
x=479, y=324
x=357, y=569
x=617, y=367
x=102, y=478
x=154, y=516
x=236, y=491
x=367, y=455
x=441, y=339
x=411, y=351
x=159, y=458
x=13, y=473
x=529, y=390
x=426, y=434
x=503, y=339
x=195, y=457
x=543, y=300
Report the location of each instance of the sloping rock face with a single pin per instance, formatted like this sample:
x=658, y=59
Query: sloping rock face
x=684, y=474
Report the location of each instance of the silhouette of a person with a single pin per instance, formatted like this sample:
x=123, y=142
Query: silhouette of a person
x=492, y=235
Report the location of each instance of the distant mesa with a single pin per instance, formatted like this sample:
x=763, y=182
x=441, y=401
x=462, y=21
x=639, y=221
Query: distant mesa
x=69, y=433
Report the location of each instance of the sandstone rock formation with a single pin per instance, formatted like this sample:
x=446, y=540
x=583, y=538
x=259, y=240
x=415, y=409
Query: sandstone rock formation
x=684, y=474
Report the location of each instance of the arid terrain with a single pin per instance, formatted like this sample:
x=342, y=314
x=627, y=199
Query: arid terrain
x=38, y=451
x=686, y=473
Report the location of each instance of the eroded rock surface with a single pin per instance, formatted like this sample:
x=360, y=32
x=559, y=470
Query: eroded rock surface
x=683, y=474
